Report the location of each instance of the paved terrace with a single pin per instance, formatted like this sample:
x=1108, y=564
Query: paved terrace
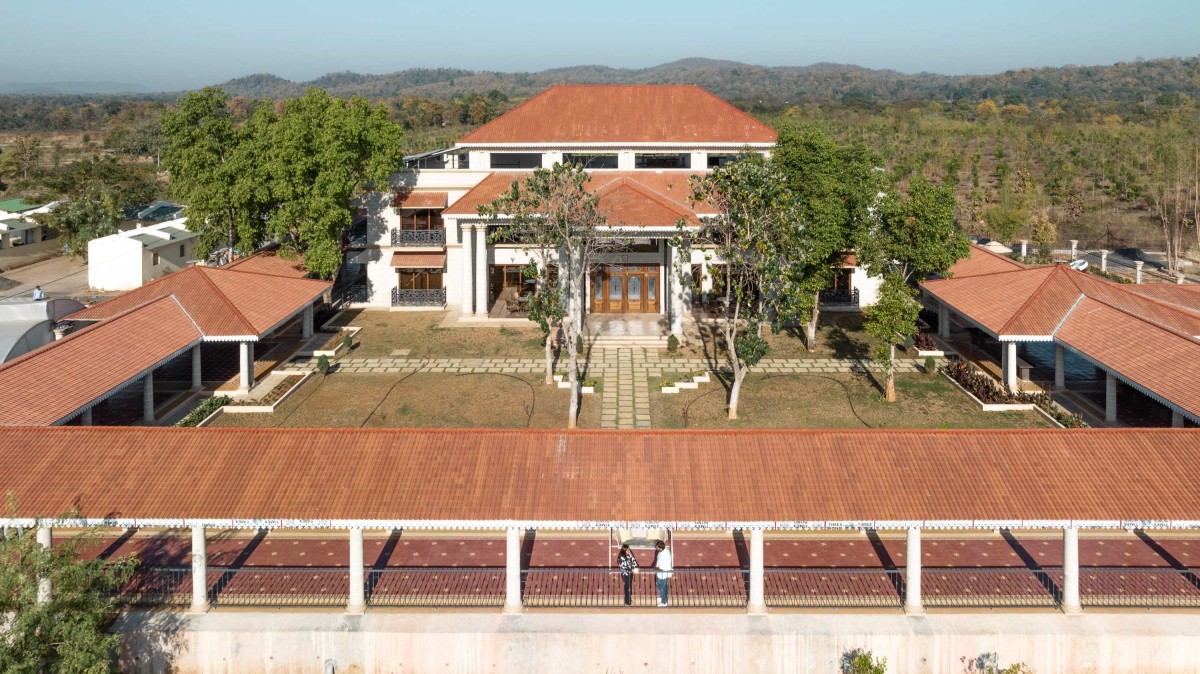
x=893, y=519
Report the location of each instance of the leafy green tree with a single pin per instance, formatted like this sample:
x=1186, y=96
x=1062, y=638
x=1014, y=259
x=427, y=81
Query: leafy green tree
x=891, y=321
x=834, y=187
x=131, y=184
x=92, y=213
x=320, y=153
x=1043, y=233
x=863, y=661
x=69, y=632
x=552, y=214
x=761, y=238
x=913, y=237
x=205, y=156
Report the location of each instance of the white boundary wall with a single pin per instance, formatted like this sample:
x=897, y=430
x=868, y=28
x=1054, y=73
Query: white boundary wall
x=662, y=642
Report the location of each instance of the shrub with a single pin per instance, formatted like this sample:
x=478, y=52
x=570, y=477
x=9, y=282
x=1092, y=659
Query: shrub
x=578, y=343
x=988, y=391
x=348, y=341
x=672, y=344
x=924, y=342
x=205, y=408
x=666, y=383
x=930, y=365
x=323, y=364
x=863, y=661
x=590, y=381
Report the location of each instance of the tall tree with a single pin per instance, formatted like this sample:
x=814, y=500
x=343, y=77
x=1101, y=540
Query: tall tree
x=912, y=237
x=552, y=210
x=835, y=187
x=91, y=213
x=202, y=156
x=320, y=153
x=760, y=237
x=68, y=633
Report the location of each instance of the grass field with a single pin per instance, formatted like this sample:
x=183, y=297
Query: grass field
x=422, y=333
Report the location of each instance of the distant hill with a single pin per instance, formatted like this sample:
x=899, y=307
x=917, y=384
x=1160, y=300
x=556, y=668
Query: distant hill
x=1127, y=81
x=59, y=88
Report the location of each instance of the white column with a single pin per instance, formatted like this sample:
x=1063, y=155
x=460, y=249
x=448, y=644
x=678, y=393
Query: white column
x=705, y=280
x=306, y=323
x=197, y=379
x=199, y=569
x=676, y=308
x=912, y=579
x=44, y=536
x=1074, y=248
x=468, y=266
x=148, y=397
x=1137, y=271
x=1024, y=248
x=1009, y=365
x=85, y=418
x=1104, y=260
x=1110, y=397
x=247, y=368
x=552, y=157
x=626, y=160
x=512, y=572
x=757, y=602
x=481, y=277
x=944, y=320
x=1179, y=278
x=1070, y=598
x=1176, y=419
x=699, y=160
x=1060, y=368
x=358, y=596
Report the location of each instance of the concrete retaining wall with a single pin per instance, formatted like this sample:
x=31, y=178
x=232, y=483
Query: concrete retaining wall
x=652, y=641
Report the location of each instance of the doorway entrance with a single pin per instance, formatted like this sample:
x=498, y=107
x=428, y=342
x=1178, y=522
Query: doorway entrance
x=625, y=289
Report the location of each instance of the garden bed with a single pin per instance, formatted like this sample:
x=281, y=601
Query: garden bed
x=274, y=397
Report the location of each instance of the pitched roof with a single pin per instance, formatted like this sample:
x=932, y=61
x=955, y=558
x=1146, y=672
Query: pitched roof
x=432, y=200
x=271, y=263
x=619, y=113
x=222, y=302
x=447, y=476
x=982, y=261
x=629, y=198
x=53, y=382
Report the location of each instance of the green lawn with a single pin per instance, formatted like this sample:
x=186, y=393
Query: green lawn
x=422, y=333
x=831, y=401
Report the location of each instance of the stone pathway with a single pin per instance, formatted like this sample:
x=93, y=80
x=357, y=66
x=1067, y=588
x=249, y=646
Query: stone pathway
x=626, y=374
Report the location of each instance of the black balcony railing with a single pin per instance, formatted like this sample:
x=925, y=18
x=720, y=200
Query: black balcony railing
x=839, y=298
x=412, y=297
x=418, y=237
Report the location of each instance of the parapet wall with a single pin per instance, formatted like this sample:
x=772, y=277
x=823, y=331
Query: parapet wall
x=661, y=642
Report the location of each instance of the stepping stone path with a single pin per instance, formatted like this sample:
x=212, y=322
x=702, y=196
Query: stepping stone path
x=626, y=374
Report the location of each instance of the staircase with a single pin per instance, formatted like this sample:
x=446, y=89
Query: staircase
x=601, y=342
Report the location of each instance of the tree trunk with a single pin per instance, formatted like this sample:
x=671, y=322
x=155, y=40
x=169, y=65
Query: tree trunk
x=735, y=364
x=889, y=393
x=735, y=392
x=549, y=356
x=810, y=330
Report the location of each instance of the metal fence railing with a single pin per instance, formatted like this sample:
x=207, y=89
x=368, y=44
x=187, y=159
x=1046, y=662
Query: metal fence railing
x=278, y=586
x=436, y=587
x=833, y=587
x=993, y=587
x=158, y=587
x=1139, y=587
x=575, y=587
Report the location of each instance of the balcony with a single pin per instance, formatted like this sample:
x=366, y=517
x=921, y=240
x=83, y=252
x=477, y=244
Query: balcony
x=415, y=297
x=419, y=237
x=839, y=298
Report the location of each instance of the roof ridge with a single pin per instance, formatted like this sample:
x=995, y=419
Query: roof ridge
x=99, y=323
x=1120, y=287
x=161, y=279
x=1029, y=300
x=1078, y=300
x=1191, y=339
x=220, y=293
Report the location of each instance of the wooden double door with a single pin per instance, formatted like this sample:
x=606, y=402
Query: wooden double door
x=625, y=289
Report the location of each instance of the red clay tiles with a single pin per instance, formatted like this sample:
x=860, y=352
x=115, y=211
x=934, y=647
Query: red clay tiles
x=420, y=200
x=712, y=476
x=623, y=114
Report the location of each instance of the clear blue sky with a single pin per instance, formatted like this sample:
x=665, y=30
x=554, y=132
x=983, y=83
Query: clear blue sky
x=171, y=44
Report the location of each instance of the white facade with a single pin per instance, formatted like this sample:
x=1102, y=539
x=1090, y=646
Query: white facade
x=477, y=278
x=126, y=260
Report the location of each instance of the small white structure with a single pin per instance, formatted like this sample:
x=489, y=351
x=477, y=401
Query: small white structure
x=126, y=260
x=25, y=325
x=16, y=227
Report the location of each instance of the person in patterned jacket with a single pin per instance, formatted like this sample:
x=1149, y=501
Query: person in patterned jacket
x=627, y=564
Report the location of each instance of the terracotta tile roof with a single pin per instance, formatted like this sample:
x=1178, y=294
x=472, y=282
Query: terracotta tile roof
x=598, y=113
x=427, y=260
x=589, y=476
x=1160, y=362
x=271, y=263
x=420, y=199
x=992, y=300
x=51, y=383
x=983, y=261
x=663, y=197
x=222, y=302
x=1185, y=295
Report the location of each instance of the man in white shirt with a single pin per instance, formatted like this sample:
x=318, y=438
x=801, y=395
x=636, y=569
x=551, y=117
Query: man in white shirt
x=665, y=564
x=38, y=294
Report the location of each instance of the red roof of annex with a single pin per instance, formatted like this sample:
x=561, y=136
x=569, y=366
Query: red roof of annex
x=592, y=476
x=620, y=113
